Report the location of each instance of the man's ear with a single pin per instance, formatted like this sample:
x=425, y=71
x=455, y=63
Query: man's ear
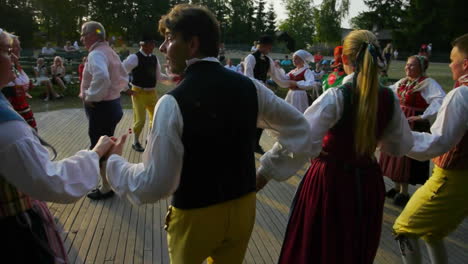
x=194, y=46
x=465, y=65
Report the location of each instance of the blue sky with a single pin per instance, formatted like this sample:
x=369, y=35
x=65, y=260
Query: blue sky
x=354, y=9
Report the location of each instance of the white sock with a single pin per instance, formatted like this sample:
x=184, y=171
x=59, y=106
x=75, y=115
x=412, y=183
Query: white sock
x=135, y=139
x=404, y=188
x=412, y=253
x=105, y=187
x=437, y=252
x=397, y=186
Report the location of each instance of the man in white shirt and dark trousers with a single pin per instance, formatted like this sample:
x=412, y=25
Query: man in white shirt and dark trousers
x=104, y=77
x=213, y=206
x=146, y=71
x=258, y=65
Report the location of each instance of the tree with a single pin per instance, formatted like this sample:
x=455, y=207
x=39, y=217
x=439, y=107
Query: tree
x=270, y=20
x=431, y=21
x=383, y=14
x=328, y=20
x=239, y=22
x=260, y=18
x=300, y=22
x=17, y=16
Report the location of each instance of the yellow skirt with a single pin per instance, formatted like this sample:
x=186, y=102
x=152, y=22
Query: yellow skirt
x=437, y=208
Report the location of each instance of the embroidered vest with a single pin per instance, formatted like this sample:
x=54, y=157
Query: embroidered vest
x=12, y=201
x=457, y=157
x=298, y=77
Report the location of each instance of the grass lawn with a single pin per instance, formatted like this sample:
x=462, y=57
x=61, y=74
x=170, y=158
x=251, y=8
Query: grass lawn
x=439, y=71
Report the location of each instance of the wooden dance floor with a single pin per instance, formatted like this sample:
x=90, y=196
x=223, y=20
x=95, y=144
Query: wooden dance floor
x=114, y=231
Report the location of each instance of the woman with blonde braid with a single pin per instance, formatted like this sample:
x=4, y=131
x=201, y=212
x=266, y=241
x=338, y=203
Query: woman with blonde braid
x=336, y=216
x=420, y=99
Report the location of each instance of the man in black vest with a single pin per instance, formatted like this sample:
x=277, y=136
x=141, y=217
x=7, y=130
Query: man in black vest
x=146, y=71
x=213, y=204
x=258, y=65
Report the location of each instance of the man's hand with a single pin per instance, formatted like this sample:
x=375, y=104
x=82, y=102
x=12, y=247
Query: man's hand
x=293, y=85
x=103, y=146
x=261, y=182
x=119, y=143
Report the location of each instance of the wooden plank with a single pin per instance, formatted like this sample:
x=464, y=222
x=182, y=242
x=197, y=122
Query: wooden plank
x=140, y=235
x=111, y=232
x=109, y=206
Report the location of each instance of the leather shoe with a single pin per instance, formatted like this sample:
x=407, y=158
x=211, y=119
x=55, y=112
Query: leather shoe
x=391, y=193
x=96, y=194
x=401, y=199
x=137, y=147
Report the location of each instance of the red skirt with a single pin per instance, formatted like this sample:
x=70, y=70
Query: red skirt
x=336, y=215
x=404, y=169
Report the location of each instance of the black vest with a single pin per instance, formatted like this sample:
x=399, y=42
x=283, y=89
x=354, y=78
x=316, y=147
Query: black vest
x=219, y=109
x=262, y=66
x=144, y=75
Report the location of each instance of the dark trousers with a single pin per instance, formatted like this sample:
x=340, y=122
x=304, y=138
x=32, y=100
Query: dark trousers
x=23, y=240
x=259, y=135
x=103, y=117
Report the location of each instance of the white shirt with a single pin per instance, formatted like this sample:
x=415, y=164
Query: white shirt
x=48, y=51
x=131, y=62
x=275, y=73
x=448, y=129
x=327, y=110
x=432, y=92
x=26, y=164
x=158, y=176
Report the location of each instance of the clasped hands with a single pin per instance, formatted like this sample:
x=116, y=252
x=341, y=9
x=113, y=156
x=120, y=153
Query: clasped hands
x=107, y=146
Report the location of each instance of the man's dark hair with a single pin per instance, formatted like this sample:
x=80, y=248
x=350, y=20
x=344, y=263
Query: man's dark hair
x=191, y=21
x=266, y=40
x=462, y=44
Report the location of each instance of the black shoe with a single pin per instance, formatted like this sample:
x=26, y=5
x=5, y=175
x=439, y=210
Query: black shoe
x=401, y=199
x=96, y=194
x=391, y=193
x=137, y=147
x=259, y=150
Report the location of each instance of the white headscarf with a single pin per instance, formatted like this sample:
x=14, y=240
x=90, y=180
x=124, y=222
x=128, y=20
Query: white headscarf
x=304, y=55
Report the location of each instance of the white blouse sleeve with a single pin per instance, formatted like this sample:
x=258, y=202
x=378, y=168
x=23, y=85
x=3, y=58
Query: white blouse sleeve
x=158, y=176
x=284, y=122
x=249, y=65
x=26, y=165
x=448, y=129
x=397, y=139
x=309, y=81
x=278, y=77
x=323, y=114
x=434, y=95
